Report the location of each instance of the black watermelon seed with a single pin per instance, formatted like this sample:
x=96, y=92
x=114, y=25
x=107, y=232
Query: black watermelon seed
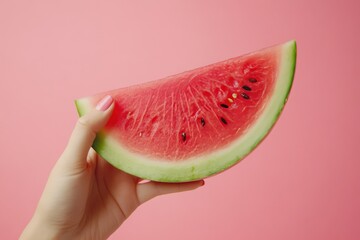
x=252, y=80
x=245, y=96
x=247, y=88
x=183, y=136
x=223, y=120
x=202, y=121
x=224, y=105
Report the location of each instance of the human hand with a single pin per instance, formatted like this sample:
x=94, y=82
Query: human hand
x=85, y=197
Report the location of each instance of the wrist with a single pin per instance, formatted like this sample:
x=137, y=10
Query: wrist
x=40, y=230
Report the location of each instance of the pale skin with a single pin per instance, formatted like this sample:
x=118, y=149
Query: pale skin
x=87, y=198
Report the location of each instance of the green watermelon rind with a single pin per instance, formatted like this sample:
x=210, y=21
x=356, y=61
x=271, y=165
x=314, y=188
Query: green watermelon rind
x=209, y=164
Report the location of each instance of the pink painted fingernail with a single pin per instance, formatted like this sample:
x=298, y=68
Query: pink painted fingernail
x=104, y=103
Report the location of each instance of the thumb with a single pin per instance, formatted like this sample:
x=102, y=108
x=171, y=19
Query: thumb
x=75, y=154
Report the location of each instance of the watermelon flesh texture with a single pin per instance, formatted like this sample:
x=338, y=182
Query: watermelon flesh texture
x=195, y=124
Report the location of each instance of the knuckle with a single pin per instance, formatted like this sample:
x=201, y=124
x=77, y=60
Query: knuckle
x=85, y=125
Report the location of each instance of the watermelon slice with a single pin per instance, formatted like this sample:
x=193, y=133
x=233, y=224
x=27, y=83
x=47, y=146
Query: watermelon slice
x=195, y=124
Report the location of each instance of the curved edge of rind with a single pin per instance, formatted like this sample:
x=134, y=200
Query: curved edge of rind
x=289, y=55
x=291, y=59
x=291, y=49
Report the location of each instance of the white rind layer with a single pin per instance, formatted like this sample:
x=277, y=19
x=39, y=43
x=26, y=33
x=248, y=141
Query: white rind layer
x=208, y=164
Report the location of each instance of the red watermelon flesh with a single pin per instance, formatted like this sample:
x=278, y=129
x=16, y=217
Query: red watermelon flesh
x=171, y=129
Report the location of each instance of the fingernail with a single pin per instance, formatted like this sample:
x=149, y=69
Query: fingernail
x=104, y=103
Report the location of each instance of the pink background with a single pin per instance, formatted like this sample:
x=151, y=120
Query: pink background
x=303, y=182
